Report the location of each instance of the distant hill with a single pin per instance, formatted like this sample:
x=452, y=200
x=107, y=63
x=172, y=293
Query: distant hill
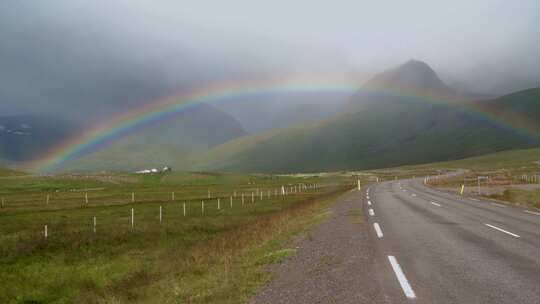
x=194, y=130
x=521, y=109
x=379, y=129
x=25, y=137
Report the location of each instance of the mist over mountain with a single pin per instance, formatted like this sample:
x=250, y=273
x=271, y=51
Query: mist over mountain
x=75, y=63
x=26, y=137
x=381, y=129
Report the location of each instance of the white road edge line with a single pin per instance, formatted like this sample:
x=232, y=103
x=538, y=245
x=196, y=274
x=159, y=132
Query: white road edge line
x=369, y=203
x=498, y=205
x=433, y=203
x=378, y=230
x=407, y=289
x=371, y=212
x=532, y=212
x=413, y=194
x=502, y=230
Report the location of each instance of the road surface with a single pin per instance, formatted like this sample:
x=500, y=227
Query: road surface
x=443, y=248
x=414, y=245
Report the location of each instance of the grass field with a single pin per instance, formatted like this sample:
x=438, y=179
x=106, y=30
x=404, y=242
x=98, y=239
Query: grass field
x=210, y=256
x=503, y=170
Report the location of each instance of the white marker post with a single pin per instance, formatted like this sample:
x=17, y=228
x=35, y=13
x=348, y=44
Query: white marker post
x=202, y=207
x=45, y=231
x=132, y=218
x=86, y=197
x=184, y=209
x=231, y=202
x=242, y=199
x=160, y=214
x=252, y=197
x=218, y=205
x=172, y=196
x=95, y=223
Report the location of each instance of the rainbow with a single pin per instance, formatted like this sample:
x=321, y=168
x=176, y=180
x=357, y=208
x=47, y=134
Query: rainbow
x=157, y=110
x=106, y=132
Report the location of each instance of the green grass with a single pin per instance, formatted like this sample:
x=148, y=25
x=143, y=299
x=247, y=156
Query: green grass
x=523, y=197
x=218, y=257
x=515, y=159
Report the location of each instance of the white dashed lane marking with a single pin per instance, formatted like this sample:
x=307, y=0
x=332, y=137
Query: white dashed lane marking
x=378, y=230
x=502, y=230
x=435, y=204
x=371, y=212
x=405, y=286
x=369, y=203
x=532, y=212
x=498, y=205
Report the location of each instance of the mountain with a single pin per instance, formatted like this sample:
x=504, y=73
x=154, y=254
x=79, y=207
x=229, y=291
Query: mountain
x=380, y=129
x=26, y=137
x=520, y=109
x=413, y=77
x=196, y=129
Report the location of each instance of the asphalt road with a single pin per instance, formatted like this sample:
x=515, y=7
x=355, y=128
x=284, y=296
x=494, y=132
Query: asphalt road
x=436, y=247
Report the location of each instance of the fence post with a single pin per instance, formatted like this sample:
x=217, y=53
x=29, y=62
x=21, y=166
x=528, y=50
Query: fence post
x=231, y=201
x=46, y=232
x=160, y=214
x=95, y=222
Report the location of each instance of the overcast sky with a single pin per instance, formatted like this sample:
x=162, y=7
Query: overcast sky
x=118, y=52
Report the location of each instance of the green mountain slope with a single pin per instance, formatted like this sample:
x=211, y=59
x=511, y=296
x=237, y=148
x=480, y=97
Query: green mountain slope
x=521, y=109
x=378, y=130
